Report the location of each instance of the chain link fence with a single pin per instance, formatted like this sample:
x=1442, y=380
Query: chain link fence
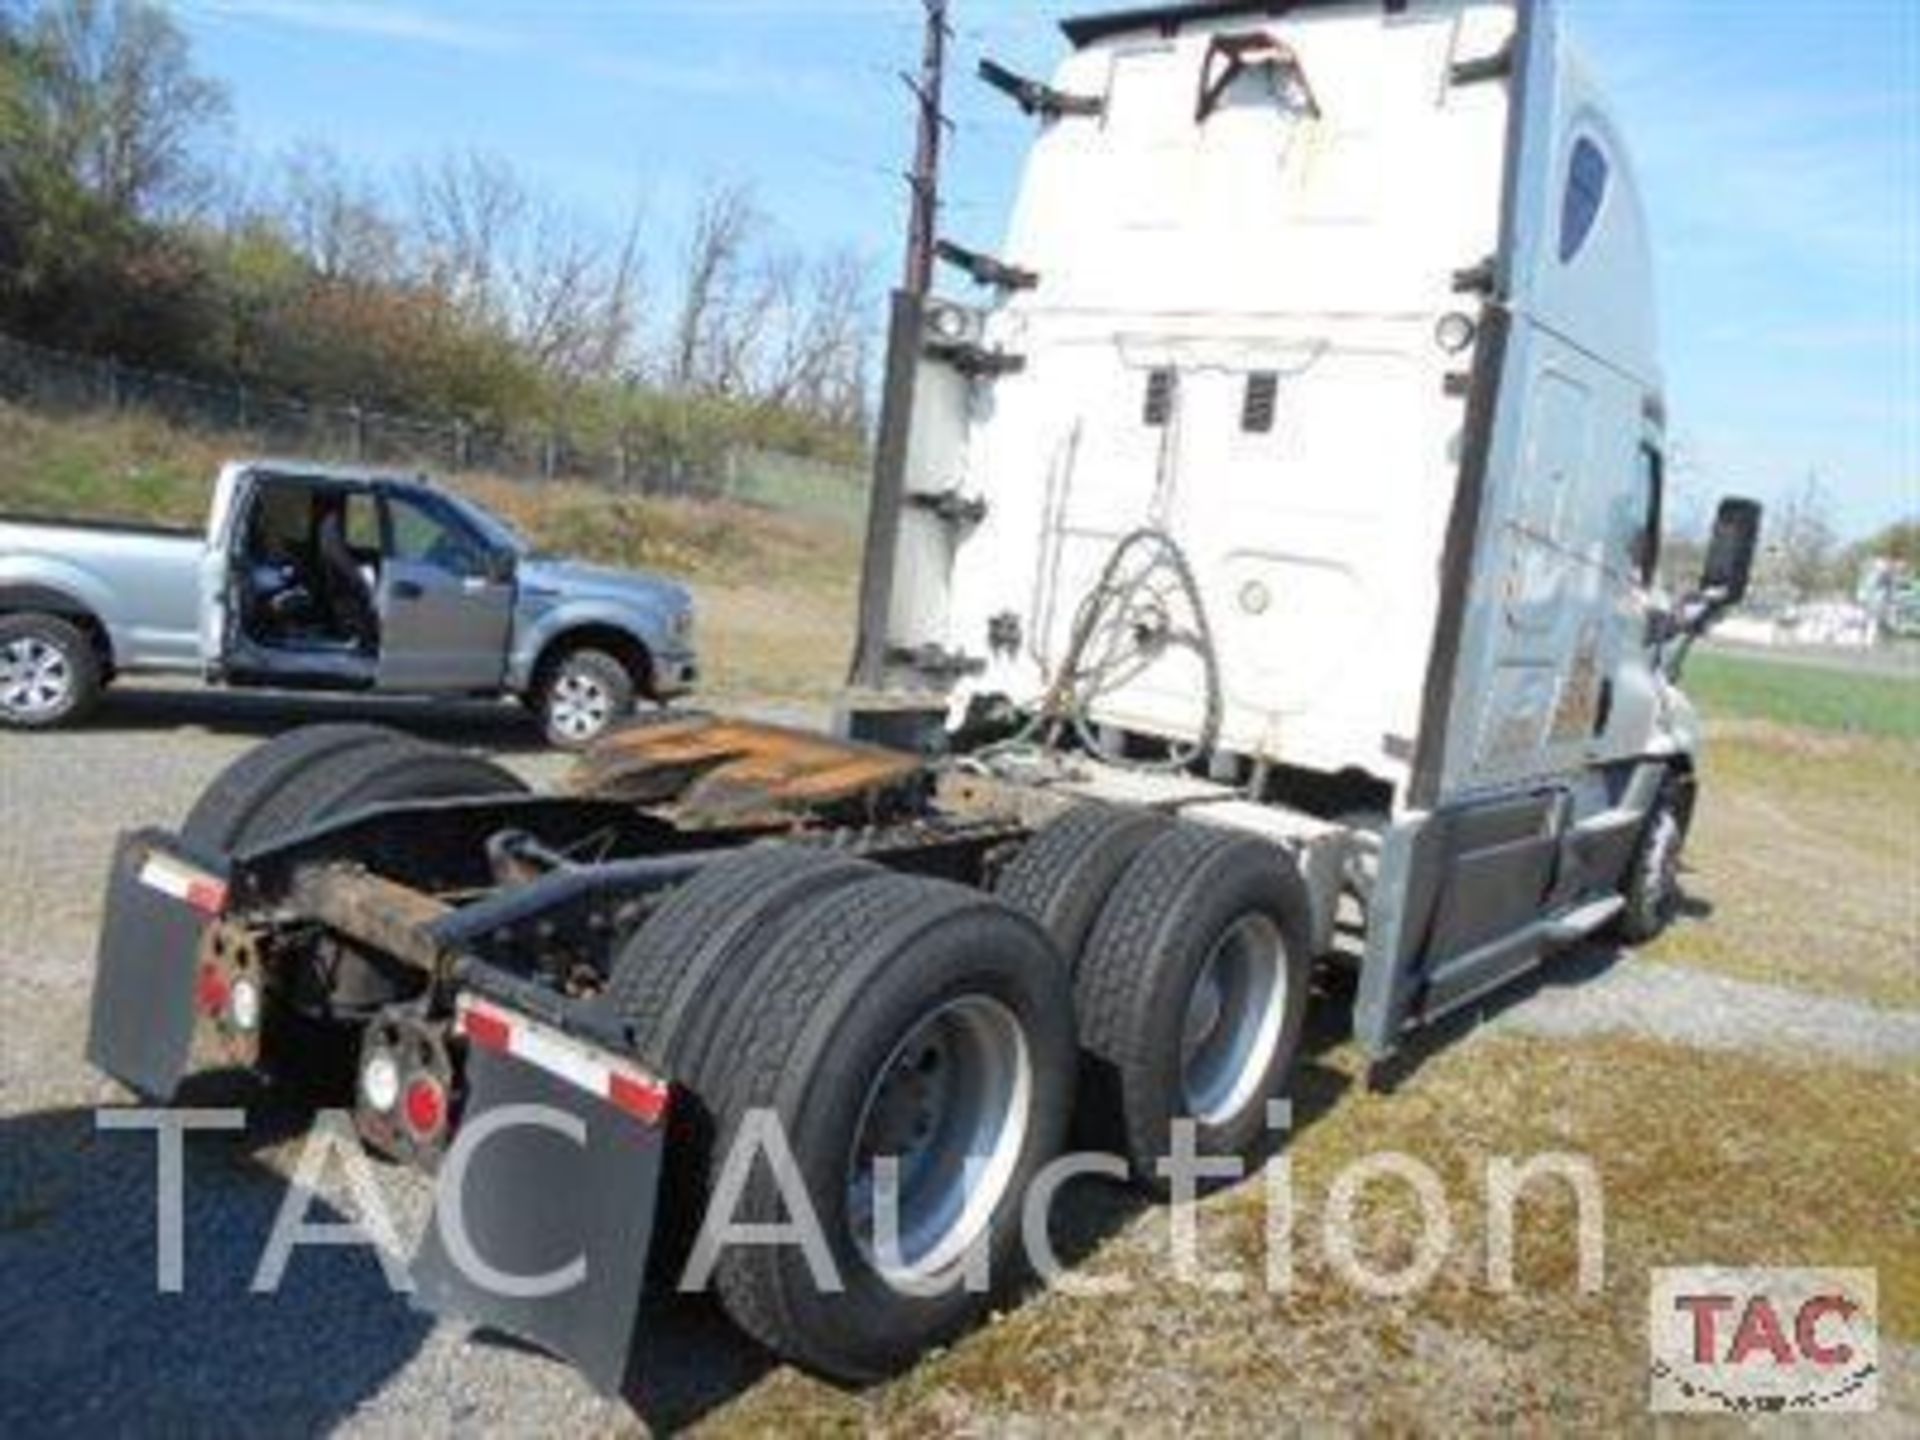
x=262, y=422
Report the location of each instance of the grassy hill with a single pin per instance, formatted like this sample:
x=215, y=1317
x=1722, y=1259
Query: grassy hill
x=776, y=589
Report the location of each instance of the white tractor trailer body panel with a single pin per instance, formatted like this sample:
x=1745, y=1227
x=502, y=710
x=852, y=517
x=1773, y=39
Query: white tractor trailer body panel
x=1247, y=332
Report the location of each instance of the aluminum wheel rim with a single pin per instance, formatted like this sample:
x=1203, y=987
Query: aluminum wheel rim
x=951, y=1104
x=1233, y=1019
x=36, y=678
x=581, y=706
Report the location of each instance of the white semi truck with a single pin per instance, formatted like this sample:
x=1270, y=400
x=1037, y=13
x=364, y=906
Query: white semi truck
x=1260, y=577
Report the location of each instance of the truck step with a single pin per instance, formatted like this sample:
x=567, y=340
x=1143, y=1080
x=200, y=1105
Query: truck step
x=1583, y=920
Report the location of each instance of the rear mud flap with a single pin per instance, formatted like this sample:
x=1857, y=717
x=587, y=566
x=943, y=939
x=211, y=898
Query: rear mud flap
x=157, y=906
x=543, y=1215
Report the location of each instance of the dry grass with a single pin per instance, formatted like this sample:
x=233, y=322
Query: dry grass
x=133, y=467
x=1704, y=1159
x=1807, y=849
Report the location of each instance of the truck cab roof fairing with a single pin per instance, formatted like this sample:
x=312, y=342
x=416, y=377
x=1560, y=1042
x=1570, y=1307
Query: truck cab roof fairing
x=1085, y=30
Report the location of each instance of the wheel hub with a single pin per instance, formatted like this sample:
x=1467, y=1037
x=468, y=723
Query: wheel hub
x=35, y=677
x=1235, y=1012
x=947, y=1113
x=581, y=706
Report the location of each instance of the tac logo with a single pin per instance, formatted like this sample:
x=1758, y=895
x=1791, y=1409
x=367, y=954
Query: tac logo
x=1757, y=1342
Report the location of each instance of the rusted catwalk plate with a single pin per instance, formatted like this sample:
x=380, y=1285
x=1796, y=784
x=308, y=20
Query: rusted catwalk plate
x=711, y=770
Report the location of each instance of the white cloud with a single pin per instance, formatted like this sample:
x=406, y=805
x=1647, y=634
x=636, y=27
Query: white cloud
x=370, y=20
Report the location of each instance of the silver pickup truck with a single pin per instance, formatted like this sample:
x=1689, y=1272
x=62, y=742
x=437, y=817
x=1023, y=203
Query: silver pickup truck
x=312, y=577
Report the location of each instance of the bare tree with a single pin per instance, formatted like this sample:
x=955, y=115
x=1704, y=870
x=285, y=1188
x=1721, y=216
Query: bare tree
x=575, y=300
x=120, y=105
x=1805, y=541
x=468, y=211
x=336, y=220
x=706, y=344
x=822, y=361
x=504, y=257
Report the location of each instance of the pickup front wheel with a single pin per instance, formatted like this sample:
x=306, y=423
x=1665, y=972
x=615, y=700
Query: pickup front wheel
x=581, y=695
x=50, y=673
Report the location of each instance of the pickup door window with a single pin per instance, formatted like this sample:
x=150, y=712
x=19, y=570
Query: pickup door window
x=446, y=600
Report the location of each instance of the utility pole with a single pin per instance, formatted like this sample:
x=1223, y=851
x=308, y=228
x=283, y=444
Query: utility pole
x=923, y=225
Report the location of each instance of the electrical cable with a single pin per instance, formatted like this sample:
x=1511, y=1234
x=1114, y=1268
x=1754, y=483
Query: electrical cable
x=1123, y=625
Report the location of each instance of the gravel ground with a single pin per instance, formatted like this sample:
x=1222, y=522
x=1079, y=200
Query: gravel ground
x=1602, y=996
x=87, y=1345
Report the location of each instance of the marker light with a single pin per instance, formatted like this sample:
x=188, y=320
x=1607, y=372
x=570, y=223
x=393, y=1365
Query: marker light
x=243, y=1005
x=1454, y=332
x=380, y=1082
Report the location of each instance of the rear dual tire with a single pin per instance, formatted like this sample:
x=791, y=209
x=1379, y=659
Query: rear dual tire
x=862, y=1014
x=1190, y=978
x=301, y=779
x=321, y=772
x=1063, y=876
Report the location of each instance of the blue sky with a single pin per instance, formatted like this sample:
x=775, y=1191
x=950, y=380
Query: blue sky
x=1778, y=142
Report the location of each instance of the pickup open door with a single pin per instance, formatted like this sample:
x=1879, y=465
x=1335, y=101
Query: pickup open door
x=446, y=599
x=217, y=568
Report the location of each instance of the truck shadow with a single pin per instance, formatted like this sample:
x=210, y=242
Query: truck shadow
x=89, y=1344
x=1092, y=1210
x=1582, y=964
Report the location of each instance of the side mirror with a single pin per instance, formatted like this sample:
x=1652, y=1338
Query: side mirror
x=1730, y=551
x=500, y=566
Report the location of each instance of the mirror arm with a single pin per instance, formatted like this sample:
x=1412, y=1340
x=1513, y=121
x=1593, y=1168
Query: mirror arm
x=1698, y=614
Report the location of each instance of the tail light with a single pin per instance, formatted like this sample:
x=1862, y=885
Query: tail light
x=426, y=1107
x=211, y=990
x=406, y=1088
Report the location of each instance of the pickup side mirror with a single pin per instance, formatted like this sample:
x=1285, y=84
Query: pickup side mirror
x=1730, y=552
x=500, y=566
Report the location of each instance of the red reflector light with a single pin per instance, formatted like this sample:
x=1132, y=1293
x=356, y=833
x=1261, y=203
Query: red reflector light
x=210, y=991
x=209, y=897
x=487, y=1029
x=426, y=1106
x=646, y=1100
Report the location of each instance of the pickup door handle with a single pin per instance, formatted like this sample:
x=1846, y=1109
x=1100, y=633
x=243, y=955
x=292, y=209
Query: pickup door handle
x=407, y=590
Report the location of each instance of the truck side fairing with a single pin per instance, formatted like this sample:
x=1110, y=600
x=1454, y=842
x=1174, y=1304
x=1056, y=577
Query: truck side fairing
x=1548, y=670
